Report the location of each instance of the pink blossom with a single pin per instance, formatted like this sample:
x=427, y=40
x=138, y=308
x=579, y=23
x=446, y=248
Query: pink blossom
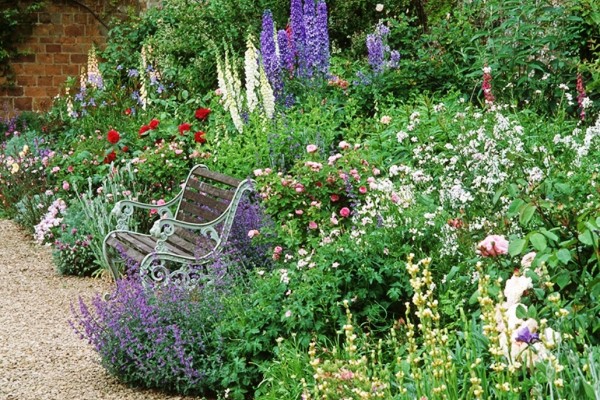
x=527, y=259
x=252, y=233
x=288, y=314
x=333, y=219
x=299, y=212
x=70, y=168
x=493, y=246
x=385, y=119
x=312, y=225
x=376, y=171
x=55, y=170
x=344, y=145
x=218, y=92
x=334, y=198
x=161, y=202
x=311, y=148
x=65, y=185
x=299, y=188
x=258, y=172
x=345, y=212
x=362, y=190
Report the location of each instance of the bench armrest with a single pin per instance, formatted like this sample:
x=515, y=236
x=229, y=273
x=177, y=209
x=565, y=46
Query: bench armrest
x=123, y=210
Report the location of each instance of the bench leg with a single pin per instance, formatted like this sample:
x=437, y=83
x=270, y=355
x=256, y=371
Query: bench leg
x=110, y=260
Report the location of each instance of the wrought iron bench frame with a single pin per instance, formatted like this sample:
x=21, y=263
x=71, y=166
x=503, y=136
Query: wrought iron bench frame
x=199, y=200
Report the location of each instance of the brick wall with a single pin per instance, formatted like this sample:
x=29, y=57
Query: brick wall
x=61, y=36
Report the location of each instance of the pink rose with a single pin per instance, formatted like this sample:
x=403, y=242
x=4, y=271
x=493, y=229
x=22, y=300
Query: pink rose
x=334, y=198
x=65, y=185
x=362, y=190
x=312, y=225
x=253, y=233
x=161, y=202
x=333, y=219
x=527, y=259
x=311, y=148
x=299, y=188
x=299, y=212
x=345, y=212
x=344, y=145
x=493, y=246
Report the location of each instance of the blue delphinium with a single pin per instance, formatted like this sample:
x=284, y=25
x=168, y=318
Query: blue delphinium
x=269, y=54
x=298, y=34
x=286, y=53
x=323, y=34
x=376, y=52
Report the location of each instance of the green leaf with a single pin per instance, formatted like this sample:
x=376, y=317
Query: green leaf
x=550, y=235
x=538, y=241
x=563, y=279
x=526, y=214
x=564, y=256
x=517, y=246
x=185, y=94
x=514, y=207
x=532, y=312
x=586, y=238
x=564, y=188
x=521, y=311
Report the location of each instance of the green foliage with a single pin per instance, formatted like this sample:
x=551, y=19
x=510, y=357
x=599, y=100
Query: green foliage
x=15, y=20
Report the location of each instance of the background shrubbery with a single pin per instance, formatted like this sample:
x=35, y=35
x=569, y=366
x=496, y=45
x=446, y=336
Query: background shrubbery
x=376, y=184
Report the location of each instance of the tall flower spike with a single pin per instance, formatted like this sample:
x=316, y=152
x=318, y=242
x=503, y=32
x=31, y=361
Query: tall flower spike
x=323, y=34
x=252, y=75
x=298, y=34
x=376, y=52
x=486, y=86
x=267, y=95
x=268, y=52
x=311, y=45
x=581, y=96
x=286, y=54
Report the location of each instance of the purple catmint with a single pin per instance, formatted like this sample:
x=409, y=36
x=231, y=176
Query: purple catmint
x=376, y=52
x=323, y=35
x=269, y=54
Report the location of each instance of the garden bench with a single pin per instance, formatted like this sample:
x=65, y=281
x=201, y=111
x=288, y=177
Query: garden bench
x=191, y=236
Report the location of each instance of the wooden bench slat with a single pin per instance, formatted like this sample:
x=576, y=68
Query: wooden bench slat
x=192, y=210
x=216, y=176
x=205, y=200
x=129, y=251
x=194, y=185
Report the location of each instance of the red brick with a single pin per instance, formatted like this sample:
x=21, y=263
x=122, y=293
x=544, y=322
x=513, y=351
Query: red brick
x=53, y=48
x=34, y=69
x=74, y=48
x=75, y=30
x=53, y=69
x=26, y=58
x=44, y=58
x=61, y=58
x=44, y=18
x=71, y=70
x=15, y=91
x=45, y=40
x=56, y=18
x=23, y=103
x=42, y=30
x=26, y=80
x=67, y=18
x=79, y=58
x=80, y=18
x=68, y=39
x=45, y=81
x=34, y=91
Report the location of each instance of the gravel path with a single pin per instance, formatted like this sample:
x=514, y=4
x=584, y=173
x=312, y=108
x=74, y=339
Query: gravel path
x=41, y=358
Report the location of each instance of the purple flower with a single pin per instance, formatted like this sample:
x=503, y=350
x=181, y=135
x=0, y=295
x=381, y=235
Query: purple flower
x=323, y=35
x=286, y=53
x=269, y=54
x=394, y=61
x=298, y=34
x=376, y=52
x=525, y=336
x=133, y=73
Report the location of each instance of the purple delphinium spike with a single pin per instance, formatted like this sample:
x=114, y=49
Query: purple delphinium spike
x=376, y=52
x=298, y=34
x=269, y=54
x=394, y=61
x=286, y=54
x=311, y=46
x=525, y=336
x=323, y=34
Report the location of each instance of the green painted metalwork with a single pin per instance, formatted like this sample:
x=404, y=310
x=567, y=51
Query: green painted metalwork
x=154, y=267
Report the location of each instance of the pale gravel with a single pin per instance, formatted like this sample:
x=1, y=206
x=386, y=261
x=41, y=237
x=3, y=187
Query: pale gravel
x=41, y=358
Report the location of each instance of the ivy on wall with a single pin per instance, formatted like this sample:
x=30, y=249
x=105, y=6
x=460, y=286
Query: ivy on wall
x=16, y=19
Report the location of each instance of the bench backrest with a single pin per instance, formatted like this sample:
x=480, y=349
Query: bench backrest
x=206, y=195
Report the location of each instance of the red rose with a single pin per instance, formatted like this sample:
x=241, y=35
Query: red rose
x=202, y=113
x=184, y=128
x=199, y=137
x=110, y=157
x=128, y=111
x=144, y=129
x=113, y=136
x=334, y=197
x=125, y=149
x=154, y=124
